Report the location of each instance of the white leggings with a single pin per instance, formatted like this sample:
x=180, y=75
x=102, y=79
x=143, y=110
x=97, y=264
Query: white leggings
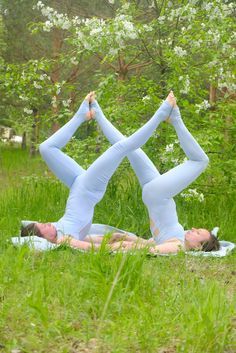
x=87, y=187
x=158, y=190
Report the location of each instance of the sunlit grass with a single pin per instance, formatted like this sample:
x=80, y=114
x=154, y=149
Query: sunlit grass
x=65, y=301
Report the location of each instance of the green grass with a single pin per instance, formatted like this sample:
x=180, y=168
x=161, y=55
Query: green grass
x=65, y=301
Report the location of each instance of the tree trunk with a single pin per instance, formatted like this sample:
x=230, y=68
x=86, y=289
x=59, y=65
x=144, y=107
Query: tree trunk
x=212, y=94
x=55, y=75
x=23, y=143
x=122, y=70
x=34, y=134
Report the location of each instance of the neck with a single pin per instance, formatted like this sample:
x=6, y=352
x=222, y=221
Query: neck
x=186, y=244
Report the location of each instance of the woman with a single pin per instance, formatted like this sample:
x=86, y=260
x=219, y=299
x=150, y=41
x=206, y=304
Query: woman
x=158, y=190
x=87, y=187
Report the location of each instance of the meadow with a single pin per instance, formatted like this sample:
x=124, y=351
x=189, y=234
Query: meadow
x=67, y=302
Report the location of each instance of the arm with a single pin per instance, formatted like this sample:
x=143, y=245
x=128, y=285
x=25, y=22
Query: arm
x=169, y=247
x=115, y=237
x=77, y=244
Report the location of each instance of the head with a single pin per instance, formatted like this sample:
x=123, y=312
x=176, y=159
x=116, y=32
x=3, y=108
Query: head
x=201, y=239
x=43, y=230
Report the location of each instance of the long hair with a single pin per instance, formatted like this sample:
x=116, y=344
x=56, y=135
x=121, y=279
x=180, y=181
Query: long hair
x=212, y=244
x=30, y=229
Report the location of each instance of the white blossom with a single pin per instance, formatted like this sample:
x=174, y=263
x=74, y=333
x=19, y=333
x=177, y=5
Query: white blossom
x=54, y=102
x=74, y=61
x=39, y=4
x=36, y=85
x=180, y=51
x=186, y=84
x=146, y=98
x=147, y=28
x=202, y=106
x=43, y=77
x=125, y=6
x=28, y=111
x=24, y=98
x=113, y=51
x=193, y=193
x=152, y=6
x=97, y=30
x=161, y=19
x=67, y=102
x=170, y=148
x=175, y=161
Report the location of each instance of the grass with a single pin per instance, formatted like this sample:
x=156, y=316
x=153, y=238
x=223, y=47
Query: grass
x=64, y=301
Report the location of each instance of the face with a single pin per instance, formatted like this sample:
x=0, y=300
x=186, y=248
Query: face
x=47, y=230
x=196, y=237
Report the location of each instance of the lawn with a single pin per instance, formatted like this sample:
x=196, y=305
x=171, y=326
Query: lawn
x=64, y=301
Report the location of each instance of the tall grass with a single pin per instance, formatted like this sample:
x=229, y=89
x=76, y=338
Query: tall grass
x=65, y=301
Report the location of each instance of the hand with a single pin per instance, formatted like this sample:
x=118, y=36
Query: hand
x=117, y=237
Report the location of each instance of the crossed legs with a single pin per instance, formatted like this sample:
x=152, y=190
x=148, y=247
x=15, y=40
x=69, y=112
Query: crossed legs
x=159, y=187
x=96, y=178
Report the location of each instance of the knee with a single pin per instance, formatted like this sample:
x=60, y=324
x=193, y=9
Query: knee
x=205, y=161
x=43, y=148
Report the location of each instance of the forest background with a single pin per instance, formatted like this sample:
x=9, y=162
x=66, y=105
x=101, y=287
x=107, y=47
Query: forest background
x=131, y=53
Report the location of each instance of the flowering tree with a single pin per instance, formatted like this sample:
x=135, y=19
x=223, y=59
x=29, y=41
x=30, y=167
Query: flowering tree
x=184, y=42
x=146, y=48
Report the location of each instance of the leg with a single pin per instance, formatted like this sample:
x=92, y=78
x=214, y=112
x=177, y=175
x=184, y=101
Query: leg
x=175, y=180
x=99, y=173
x=142, y=165
x=64, y=167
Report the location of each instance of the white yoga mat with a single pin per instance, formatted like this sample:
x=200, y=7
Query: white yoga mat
x=37, y=243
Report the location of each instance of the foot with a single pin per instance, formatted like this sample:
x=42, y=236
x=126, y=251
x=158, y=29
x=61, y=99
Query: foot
x=89, y=98
x=92, y=97
x=172, y=101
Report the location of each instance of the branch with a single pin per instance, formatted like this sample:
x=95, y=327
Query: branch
x=73, y=74
x=109, y=64
x=133, y=60
x=137, y=66
x=174, y=33
x=147, y=50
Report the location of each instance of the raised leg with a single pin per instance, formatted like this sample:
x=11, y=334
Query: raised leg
x=177, y=179
x=142, y=165
x=64, y=167
x=99, y=173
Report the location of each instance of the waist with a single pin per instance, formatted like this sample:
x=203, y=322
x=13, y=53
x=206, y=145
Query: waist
x=165, y=234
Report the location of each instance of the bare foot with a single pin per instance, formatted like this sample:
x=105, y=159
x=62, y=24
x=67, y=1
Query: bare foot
x=92, y=96
x=90, y=114
x=172, y=101
x=92, y=99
